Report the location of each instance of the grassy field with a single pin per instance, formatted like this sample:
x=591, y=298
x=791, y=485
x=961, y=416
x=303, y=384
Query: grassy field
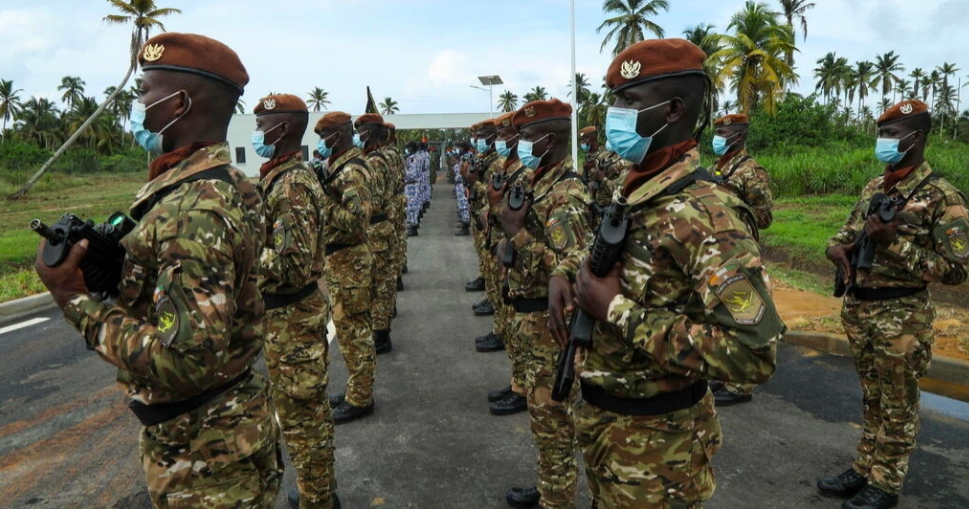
x=94, y=197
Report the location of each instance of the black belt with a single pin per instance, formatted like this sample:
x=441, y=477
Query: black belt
x=278, y=300
x=149, y=415
x=332, y=248
x=876, y=294
x=378, y=218
x=523, y=305
x=657, y=405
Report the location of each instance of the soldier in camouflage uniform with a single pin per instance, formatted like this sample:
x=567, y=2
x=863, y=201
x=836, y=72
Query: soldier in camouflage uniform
x=888, y=310
x=292, y=261
x=187, y=324
x=349, y=261
x=550, y=230
x=750, y=182
x=604, y=169
x=486, y=165
x=689, y=301
x=399, y=205
x=380, y=234
x=511, y=399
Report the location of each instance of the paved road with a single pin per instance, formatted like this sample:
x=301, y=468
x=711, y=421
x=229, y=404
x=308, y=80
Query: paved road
x=67, y=440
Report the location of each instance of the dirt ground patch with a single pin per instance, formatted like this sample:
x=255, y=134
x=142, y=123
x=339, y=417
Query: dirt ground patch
x=808, y=311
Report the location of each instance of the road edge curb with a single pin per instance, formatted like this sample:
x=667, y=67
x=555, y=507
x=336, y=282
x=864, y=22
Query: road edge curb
x=946, y=369
x=17, y=309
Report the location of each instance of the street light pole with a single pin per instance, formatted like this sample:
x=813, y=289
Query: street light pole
x=575, y=97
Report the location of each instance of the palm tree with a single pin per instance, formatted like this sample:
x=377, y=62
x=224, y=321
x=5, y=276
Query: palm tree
x=752, y=57
x=73, y=87
x=864, y=79
x=948, y=93
x=536, y=94
x=389, y=106
x=631, y=18
x=40, y=122
x=593, y=111
x=9, y=102
x=885, y=68
x=582, y=85
x=728, y=106
x=507, y=101
x=933, y=81
x=918, y=75
x=121, y=107
x=795, y=10
x=904, y=89
x=318, y=99
x=143, y=15
x=240, y=106
x=830, y=73
x=703, y=36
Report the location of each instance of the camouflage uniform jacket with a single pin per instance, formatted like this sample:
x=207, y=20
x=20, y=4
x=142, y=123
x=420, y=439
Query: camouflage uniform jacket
x=513, y=171
x=189, y=313
x=557, y=228
x=485, y=166
x=749, y=181
x=381, y=182
x=933, y=234
x=346, y=200
x=292, y=256
x=616, y=168
x=396, y=168
x=695, y=300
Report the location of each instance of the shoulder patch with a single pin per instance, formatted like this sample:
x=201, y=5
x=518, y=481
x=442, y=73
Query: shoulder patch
x=167, y=321
x=955, y=238
x=279, y=237
x=557, y=235
x=742, y=300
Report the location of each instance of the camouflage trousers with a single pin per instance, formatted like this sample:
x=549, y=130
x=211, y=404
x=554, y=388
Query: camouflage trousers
x=479, y=247
x=551, y=422
x=224, y=454
x=298, y=355
x=891, y=342
x=383, y=281
x=349, y=281
x=649, y=462
x=504, y=314
x=400, y=238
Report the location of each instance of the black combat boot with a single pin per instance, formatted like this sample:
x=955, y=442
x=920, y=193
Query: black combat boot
x=493, y=343
x=381, y=341
x=845, y=485
x=510, y=404
x=478, y=304
x=293, y=498
x=523, y=498
x=486, y=309
x=400, y=284
x=345, y=412
x=337, y=399
x=724, y=397
x=476, y=285
x=463, y=230
x=403, y=270
x=411, y=230
x=495, y=396
x=871, y=497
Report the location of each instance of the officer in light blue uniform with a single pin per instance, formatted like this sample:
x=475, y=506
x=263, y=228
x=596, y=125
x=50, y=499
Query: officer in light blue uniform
x=464, y=156
x=412, y=187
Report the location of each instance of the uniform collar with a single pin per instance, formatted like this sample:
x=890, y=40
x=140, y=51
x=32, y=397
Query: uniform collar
x=727, y=160
x=546, y=178
x=282, y=165
x=205, y=158
x=913, y=179
x=685, y=165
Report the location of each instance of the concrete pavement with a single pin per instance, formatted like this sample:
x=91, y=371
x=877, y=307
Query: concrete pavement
x=67, y=440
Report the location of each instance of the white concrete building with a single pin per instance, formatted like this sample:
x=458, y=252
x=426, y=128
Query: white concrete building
x=245, y=158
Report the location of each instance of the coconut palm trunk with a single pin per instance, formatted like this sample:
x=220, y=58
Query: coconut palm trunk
x=70, y=141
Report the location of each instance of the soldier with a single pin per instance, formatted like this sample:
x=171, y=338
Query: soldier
x=604, y=169
x=292, y=260
x=488, y=163
x=553, y=226
x=392, y=152
x=412, y=178
x=589, y=143
x=187, y=325
x=349, y=260
x=475, y=172
x=463, y=156
x=511, y=399
x=380, y=234
x=690, y=300
x=741, y=174
x=888, y=310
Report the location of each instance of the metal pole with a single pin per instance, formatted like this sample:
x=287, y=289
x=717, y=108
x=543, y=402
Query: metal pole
x=491, y=99
x=575, y=97
x=955, y=125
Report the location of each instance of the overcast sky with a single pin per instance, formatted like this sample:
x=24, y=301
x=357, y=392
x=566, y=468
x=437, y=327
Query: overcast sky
x=426, y=53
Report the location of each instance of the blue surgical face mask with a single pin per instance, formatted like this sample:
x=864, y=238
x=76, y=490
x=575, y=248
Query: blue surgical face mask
x=150, y=141
x=321, y=147
x=501, y=146
x=482, y=145
x=621, y=132
x=585, y=147
x=886, y=149
x=259, y=143
x=720, y=144
x=525, y=153
x=358, y=141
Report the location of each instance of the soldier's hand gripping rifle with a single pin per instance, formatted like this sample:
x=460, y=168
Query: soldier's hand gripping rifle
x=497, y=181
x=605, y=253
x=105, y=256
x=863, y=255
x=517, y=198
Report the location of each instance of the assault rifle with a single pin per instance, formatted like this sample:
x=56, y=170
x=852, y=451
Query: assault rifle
x=863, y=255
x=606, y=251
x=517, y=198
x=105, y=255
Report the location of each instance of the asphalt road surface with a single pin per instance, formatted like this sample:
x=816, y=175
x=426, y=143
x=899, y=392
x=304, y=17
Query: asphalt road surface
x=68, y=441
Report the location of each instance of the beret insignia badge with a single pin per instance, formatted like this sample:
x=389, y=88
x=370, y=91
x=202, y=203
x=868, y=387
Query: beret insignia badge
x=727, y=121
x=269, y=104
x=153, y=52
x=529, y=111
x=906, y=109
x=630, y=69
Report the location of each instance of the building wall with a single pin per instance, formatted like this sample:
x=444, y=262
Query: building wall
x=245, y=158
